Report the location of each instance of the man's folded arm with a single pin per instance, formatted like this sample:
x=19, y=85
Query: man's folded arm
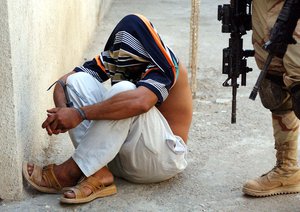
x=123, y=105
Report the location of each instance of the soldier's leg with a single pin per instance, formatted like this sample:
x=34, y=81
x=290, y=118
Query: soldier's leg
x=285, y=176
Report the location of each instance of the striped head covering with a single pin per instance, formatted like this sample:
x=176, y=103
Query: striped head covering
x=135, y=52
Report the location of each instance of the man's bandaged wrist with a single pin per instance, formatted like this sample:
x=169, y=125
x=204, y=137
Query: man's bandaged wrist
x=81, y=112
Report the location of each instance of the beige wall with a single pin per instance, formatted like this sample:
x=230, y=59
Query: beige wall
x=40, y=41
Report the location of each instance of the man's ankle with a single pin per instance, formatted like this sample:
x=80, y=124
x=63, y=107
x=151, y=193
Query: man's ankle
x=67, y=173
x=105, y=176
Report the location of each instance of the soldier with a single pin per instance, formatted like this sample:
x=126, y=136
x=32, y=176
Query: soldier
x=279, y=93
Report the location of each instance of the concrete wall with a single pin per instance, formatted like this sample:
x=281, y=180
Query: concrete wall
x=40, y=41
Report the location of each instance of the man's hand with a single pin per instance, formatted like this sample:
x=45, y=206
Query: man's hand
x=60, y=120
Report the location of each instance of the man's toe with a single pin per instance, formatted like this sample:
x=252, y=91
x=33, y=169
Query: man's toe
x=69, y=194
x=29, y=169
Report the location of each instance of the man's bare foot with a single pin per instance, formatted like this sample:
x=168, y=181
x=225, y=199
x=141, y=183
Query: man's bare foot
x=103, y=175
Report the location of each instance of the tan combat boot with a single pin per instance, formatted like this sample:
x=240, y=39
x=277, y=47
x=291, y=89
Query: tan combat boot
x=284, y=178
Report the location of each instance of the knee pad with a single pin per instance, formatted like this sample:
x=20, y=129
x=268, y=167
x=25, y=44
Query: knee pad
x=274, y=97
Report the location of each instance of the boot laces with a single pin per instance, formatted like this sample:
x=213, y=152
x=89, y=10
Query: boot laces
x=274, y=169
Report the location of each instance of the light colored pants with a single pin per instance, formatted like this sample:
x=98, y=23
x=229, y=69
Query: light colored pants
x=265, y=13
x=141, y=149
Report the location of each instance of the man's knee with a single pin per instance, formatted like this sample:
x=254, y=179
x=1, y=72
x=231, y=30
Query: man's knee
x=82, y=87
x=120, y=87
x=79, y=78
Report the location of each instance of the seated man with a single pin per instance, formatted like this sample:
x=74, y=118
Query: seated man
x=136, y=130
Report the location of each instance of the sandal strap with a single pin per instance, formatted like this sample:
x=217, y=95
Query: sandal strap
x=36, y=176
x=50, y=178
x=78, y=192
x=91, y=183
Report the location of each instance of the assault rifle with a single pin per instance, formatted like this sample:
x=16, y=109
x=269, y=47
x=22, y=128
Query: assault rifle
x=281, y=36
x=236, y=20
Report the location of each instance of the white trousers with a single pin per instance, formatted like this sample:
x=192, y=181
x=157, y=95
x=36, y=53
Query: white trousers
x=141, y=149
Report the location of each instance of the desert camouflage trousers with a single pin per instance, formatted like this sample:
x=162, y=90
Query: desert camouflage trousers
x=265, y=13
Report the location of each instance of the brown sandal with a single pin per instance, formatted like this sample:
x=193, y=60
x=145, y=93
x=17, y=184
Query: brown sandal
x=98, y=190
x=46, y=173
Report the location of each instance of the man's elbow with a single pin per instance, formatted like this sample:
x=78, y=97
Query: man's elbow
x=144, y=106
x=144, y=99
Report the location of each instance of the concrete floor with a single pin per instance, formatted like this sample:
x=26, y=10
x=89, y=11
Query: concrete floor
x=221, y=155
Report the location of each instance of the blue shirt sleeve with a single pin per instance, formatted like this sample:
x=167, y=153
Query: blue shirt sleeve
x=157, y=81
